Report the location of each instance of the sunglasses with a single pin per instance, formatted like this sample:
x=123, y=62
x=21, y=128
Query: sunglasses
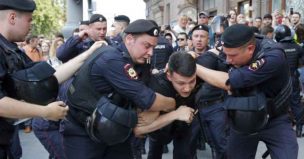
x=180, y=39
x=203, y=17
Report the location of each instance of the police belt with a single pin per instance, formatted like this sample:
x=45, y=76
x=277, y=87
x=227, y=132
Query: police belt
x=209, y=102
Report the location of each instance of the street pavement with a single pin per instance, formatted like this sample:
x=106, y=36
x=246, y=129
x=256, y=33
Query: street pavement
x=32, y=149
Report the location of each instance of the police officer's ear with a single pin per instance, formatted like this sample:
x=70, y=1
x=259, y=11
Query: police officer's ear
x=129, y=38
x=12, y=17
x=251, y=48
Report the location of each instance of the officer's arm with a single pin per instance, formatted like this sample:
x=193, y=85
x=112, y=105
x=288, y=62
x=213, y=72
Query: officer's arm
x=68, y=49
x=66, y=70
x=11, y=108
x=215, y=78
x=183, y=113
x=163, y=103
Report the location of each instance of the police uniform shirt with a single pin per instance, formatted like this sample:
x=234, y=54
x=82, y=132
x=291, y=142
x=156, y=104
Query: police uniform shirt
x=115, y=71
x=73, y=47
x=268, y=72
x=19, y=64
x=215, y=62
x=161, y=53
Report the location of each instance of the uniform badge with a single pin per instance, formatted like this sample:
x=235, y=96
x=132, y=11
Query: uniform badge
x=130, y=71
x=257, y=64
x=155, y=32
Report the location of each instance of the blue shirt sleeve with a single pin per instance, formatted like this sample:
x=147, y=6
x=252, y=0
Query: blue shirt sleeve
x=263, y=69
x=2, y=76
x=69, y=49
x=115, y=74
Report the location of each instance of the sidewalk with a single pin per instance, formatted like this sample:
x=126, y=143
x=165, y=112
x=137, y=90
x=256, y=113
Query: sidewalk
x=32, y=149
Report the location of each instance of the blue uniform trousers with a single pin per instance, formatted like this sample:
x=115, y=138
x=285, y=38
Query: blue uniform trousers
x=181, y=147
x=48, y=134
x=214, y=122
x=278, y=135
x=295, y=101
x=78, y=145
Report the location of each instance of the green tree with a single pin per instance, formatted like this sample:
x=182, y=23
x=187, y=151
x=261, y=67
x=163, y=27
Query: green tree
x=48, y=17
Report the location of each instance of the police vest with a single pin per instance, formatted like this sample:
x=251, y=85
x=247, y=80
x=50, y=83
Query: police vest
x=81, y=93
x=248, y=107
x=107, y=117
x=292, y=53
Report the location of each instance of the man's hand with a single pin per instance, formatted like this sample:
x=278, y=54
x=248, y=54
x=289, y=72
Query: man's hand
x=185, y=114
x=83, y=34
x=55, y=111
x=98, y=44
x=147, y=117
x=193, y=54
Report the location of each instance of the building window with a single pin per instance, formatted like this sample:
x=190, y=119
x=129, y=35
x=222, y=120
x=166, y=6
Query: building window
x=168, y=13
x=244, y=8
x=208, y=4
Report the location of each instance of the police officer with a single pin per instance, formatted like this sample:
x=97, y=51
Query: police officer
x=179, y=83
x=294, y=53
x=83, y=25
x=161, y=54
x=260, y=71
x=112, y=74
x=209, y=99
x=16, y=16
x=77, y=44
x=200, y=39
x=120, y=24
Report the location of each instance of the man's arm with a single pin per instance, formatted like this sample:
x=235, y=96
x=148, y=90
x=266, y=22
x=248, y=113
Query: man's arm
x=11, y=108
x=215, y=78
x=66, y=70
x=163, y=103
x=183, y=113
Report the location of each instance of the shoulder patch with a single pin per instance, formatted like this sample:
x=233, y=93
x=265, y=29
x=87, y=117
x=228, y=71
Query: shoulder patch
x=257, y=64
x=131, y=73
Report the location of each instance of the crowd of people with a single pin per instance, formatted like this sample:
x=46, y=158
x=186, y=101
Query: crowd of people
x=225, y=80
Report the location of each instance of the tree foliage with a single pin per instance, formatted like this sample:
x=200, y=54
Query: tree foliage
x=48, y=17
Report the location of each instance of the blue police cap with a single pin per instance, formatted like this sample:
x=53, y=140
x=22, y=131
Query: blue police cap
x=97, y=18
x=142, y=26
x=84, y=22
x=200, y=27
x=122, y=18
x=20, y=5
x=237, y=35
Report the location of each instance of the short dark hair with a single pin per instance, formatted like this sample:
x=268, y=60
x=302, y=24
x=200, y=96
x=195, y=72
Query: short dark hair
x=258, y=18
x=298, y=14
x=183, y=33
x=266, y=29
x=182, y=63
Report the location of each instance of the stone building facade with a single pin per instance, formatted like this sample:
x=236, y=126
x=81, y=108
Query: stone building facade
x=167, y=11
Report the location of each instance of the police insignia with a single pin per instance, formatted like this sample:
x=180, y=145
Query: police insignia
x=257, y=64
x=130, y=71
